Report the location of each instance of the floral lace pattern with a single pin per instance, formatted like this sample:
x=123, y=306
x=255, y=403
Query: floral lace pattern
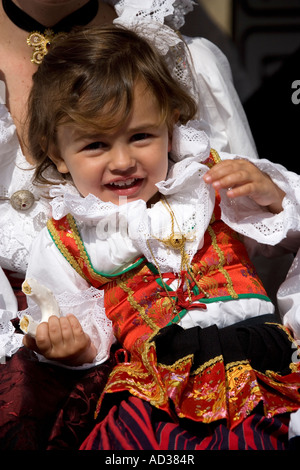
x=169, y=44
x=251, y=220
x=171, y=12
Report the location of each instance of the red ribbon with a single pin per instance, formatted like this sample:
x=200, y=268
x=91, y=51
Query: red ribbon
x=182, y=297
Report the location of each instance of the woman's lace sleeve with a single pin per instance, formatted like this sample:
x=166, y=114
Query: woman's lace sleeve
x=18, y=227
x=10, y=341
x=218, y=103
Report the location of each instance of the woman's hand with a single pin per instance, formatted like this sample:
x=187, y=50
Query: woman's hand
x=242, y=178
x=63, y=340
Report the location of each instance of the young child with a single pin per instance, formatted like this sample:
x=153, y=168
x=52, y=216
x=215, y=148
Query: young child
x=145, y=224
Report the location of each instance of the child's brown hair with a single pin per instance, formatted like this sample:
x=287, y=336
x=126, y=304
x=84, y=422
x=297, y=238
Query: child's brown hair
x=88, y=78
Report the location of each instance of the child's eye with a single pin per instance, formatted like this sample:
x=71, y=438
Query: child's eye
x=140, y=136
x=94, y=146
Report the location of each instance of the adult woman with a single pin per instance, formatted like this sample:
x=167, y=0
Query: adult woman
x=24, y=214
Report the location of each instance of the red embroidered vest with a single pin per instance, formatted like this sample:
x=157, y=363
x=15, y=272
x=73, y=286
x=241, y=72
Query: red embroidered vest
x=139, y=301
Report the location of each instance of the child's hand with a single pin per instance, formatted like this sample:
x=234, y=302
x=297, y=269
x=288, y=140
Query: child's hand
x=243, y=178
x=62, y=339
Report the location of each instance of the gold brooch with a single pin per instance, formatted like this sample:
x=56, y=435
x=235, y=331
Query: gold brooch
x=41, y=43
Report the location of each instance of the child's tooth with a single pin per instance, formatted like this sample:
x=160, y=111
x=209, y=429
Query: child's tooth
x=124, y=183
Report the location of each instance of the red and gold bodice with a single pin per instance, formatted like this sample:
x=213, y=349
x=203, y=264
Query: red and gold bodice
x=139, y=300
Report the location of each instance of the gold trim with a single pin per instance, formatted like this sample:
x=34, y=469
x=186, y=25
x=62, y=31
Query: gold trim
x=208, y=364
x=243, y=362
x=215, y=155
x=75, y=235
x=80, y=245
x=220, y=266
x=121, y=282
x=65, y=252
x=178, y=363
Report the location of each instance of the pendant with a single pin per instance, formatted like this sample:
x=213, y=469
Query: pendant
x=41, y=44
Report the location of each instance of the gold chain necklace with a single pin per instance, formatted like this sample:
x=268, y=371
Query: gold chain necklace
x=176, y=241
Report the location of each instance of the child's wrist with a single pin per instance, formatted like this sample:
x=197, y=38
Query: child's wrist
x=276, y=207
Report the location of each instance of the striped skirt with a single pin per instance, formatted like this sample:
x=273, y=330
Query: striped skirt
x=127, y=422
x=136, y=425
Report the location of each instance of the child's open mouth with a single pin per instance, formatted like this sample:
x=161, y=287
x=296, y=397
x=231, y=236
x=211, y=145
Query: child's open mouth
x=126, y=187
x=125, y=183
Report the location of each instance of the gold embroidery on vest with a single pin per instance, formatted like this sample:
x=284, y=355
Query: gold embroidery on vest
x=215, y=155
x=133, y=370
x=121, y=282
x=220, y=266
x=65, y=252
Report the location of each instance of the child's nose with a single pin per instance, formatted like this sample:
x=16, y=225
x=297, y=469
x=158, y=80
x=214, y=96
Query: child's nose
x=121, y=159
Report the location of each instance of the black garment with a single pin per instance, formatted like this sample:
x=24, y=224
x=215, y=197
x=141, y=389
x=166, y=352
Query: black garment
x=261, y=340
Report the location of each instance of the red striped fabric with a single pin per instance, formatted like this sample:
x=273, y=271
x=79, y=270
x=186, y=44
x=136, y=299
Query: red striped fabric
x=133, y=426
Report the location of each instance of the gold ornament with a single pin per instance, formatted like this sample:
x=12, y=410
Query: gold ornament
x=176, y=241
x=41, y=44
x=22, y=200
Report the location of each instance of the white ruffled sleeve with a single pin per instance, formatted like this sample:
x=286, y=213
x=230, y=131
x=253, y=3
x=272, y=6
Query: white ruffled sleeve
x=257, y=224
x=73, y=294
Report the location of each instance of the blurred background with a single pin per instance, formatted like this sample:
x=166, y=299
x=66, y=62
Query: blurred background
x=261, y=39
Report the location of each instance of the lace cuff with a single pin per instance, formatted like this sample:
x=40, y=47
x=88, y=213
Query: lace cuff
x=256, y=222
x=88, y=307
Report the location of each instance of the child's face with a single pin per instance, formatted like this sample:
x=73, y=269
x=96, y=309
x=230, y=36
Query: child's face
x=127, y=162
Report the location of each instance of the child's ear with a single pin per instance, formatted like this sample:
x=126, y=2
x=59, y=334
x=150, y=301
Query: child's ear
x=58, y=162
